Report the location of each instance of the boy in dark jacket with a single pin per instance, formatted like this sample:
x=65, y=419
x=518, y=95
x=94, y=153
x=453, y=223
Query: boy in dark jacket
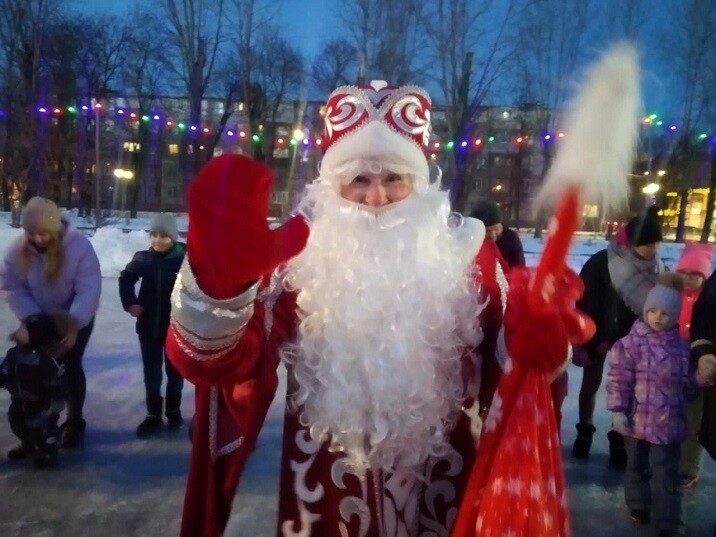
x=33, y=374
x=157, y=267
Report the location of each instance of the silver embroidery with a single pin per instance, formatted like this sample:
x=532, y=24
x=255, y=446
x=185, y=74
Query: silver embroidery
x=503, y=284
x=440, y=489
x=191, y=353
x=269, y=296
x=353, y=506
x=213, y=420
x=205, y=321
x=401, y=503
x=305, y=495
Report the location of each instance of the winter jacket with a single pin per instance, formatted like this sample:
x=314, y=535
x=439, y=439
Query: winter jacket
x=510, y=247
x=648, y=381
x=703, y=337
x=32, y=376
x=76, y=289
x=603, y=304
x=688, y=299
x=158, y=271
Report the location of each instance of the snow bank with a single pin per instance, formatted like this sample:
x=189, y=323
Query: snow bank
x=121, y=237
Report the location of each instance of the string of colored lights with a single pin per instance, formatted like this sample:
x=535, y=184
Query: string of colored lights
x=463, y=144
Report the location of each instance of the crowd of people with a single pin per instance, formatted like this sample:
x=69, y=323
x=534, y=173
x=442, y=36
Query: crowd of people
x=395, y=329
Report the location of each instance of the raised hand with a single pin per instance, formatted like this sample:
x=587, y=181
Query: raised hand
x=229, y=242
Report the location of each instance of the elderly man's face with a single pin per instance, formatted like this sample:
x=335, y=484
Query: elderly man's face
x=494, y=231
x=377, y=189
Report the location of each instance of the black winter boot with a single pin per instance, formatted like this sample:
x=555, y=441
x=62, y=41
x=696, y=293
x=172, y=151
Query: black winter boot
x=583, y=443
x=46, y=454
x=173, y=412
x=23, y=451
x=153, y=422
x=72, y=433
x=617, y=451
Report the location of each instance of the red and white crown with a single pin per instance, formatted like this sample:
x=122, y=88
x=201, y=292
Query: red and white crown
x=380, y=122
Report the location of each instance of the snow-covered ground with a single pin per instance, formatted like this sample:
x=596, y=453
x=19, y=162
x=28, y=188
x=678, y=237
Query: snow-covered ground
x=120, y=485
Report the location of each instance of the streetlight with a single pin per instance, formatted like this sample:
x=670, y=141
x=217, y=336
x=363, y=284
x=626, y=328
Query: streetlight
x=97, y=169
x=650, y=189
x=119, y=173
x=125, y=176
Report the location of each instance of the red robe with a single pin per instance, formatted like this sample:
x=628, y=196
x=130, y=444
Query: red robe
x=233, y=394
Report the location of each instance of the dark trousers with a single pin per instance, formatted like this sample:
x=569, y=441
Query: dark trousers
x=75, y=380
x=651, y=481
x=153, y=357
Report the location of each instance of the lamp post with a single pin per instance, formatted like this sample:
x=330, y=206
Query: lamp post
x=97, y=169
x=124, y=176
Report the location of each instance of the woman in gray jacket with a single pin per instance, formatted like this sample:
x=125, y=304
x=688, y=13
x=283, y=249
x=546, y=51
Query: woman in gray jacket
x=53, y=267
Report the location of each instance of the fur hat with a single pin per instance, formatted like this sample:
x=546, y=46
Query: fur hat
x=166, y=224
x=385, y=124
x=644, y=228
x=666, y=294
x=41, y=214
x=488, y=211
x=696, y=257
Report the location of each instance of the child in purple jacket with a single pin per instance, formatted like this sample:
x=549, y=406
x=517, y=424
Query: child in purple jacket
x=647, y=383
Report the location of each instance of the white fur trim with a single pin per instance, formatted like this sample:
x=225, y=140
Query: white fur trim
x=377, y=141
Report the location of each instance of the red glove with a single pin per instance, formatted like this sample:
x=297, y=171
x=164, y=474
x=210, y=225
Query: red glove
x=229, y=243
x=538, y=339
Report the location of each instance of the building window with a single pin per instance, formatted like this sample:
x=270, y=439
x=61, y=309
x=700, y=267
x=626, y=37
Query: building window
x=279, y=197
x=173, y=149
x=130, y=146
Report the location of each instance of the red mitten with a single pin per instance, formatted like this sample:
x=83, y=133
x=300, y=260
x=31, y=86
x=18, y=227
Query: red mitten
x=229, y=242
x=539, y=339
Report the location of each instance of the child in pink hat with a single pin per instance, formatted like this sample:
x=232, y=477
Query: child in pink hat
x=695, y=266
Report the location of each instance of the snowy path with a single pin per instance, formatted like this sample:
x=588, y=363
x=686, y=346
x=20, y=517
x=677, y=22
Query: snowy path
x=123, y=486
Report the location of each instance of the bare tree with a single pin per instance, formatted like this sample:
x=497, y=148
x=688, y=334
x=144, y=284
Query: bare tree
x=196, y=30
x=102, y=43
x=336, y=65
x=252, y=21
x=687, y=46
x=470, y=47
x=550, y=34
x=387, y=35
x=22, y=32
x=710, y=121
x=280, y=74
x=143, y=78
x=625, y=19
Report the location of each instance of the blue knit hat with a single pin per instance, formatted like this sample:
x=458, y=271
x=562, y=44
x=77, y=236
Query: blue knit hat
x=667, y=296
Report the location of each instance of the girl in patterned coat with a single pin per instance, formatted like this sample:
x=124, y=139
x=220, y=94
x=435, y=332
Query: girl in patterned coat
x=647, y=383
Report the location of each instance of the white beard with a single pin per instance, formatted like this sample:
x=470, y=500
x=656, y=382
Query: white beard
x=387, y=309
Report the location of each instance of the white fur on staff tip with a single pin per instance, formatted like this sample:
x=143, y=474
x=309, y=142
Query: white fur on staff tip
x=601, y=129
